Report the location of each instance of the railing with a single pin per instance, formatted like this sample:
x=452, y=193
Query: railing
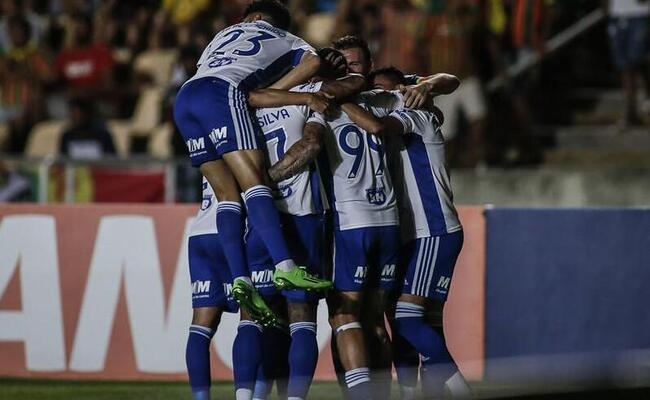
x=42, y=168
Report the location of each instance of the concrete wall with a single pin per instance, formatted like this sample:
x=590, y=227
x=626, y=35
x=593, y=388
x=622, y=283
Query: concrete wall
x=553, y=187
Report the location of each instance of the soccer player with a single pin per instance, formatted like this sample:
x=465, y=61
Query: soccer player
x=213, y=117
x=433, y=233
x=292, y=144
x=211, y=291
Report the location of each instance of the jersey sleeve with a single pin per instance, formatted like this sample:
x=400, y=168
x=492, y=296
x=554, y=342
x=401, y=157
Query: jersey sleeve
x=411, y=79
x=381, y=103
x=298, y=49
x=309, y=87
x=419, y=122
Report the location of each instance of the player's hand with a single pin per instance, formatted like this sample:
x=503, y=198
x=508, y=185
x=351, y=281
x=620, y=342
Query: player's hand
x=415, y=96
x=320, y=102
x=335, y=60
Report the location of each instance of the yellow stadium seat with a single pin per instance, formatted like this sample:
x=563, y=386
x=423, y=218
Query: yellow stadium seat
x=160, y=141
x=44, y=138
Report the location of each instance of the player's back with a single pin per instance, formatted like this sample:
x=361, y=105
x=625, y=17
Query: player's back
x=300, y=194
x=249, y=55
x=426, y=198
x=359, y=183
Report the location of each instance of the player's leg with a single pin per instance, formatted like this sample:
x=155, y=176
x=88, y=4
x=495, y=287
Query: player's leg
x=305, y=237
x=379, y=289
x=429, y=273
x=247, y=351
x=198, y=112
x=350, y=271
x=240, y=150
x=208, y=273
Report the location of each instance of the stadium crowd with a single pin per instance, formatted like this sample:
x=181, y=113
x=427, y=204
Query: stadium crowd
x=110, y=69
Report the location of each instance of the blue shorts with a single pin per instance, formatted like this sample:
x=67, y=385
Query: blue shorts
x=630, y=38
x=366, y=258
x=209, y=274
x=430, y=265
x=305, y=238
x=214, y=119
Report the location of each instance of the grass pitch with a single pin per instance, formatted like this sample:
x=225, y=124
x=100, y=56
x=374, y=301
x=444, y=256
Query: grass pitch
x=27, y=389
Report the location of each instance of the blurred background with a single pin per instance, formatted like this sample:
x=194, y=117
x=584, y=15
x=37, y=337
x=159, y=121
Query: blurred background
x=548, y=142
x=554, y=109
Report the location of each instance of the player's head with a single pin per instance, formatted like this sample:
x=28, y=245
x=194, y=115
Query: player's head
x=356, y=52
x=386, y=78
x=271, y=11
x=328, y=70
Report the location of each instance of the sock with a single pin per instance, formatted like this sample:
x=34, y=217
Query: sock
x=458, y=387
x=437, y=364
x=197, y=358
x=303, y=356
x=275, y=363
x=358, y=385
x=264, y=217
x=407, y=362
x=262, y=385
x=230, y=224
x=246, y=358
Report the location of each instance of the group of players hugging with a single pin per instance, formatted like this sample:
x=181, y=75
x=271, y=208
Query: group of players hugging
x=322, y=178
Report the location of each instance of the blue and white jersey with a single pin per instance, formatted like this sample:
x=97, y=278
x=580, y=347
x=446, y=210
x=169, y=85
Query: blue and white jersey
x=205, y=221
x=354, y=172
x=250, y=55
x=426, y=206
x=302, y=194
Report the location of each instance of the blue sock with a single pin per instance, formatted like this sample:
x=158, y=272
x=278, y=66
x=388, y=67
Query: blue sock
x=276, y=343
x=407, y=362
x=230, y=224
x=437, y=364
x=264, y=217
x=197, y=358
x=262, y=385
x=303, y=356
x=358, y=385
x=246, y=357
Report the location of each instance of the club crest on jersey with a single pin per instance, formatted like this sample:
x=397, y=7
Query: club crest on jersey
x=282, y=192
x=206, y=203
x=376, y=196
x=221, y=61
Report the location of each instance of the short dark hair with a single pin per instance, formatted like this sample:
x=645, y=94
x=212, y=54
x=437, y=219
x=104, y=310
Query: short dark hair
x=276, y=11
x=353, y=42
x=327, y=70
x=391, y=72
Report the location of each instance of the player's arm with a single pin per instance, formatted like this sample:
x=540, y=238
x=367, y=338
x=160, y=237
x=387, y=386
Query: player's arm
x=415, y=96
x=344, y=87
x=298, y=157
x=268, y=98
x=308, y=67
x=382, y=126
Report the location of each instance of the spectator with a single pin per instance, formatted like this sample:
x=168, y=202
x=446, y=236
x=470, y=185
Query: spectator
x=15, y=8
x=629, y=30
x=84, y=66
x=85, y=138
x=23, y=72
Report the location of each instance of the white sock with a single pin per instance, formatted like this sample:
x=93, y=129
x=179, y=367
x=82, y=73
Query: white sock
x=243, y=394
x=286, y=265
x=458, y=386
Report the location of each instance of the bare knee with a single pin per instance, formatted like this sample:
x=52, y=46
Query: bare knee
x=207, y=316
x=222, y=181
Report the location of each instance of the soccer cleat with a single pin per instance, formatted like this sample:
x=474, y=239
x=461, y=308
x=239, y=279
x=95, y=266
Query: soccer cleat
x=299, y=278
x=250, y=300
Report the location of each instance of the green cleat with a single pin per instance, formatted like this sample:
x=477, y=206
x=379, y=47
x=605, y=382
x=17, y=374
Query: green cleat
x=299, y=278
x=250, y=300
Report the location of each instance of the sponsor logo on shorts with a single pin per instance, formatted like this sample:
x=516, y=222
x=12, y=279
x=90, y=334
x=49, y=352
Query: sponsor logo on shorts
x=194, y=145
x=200, y=289
x=262, y=278
x=443, y=282
x=388, y=272
x=227, y=289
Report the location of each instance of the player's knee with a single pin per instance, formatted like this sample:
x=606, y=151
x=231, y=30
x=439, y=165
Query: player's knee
x=208, y=317
x=301, y=312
